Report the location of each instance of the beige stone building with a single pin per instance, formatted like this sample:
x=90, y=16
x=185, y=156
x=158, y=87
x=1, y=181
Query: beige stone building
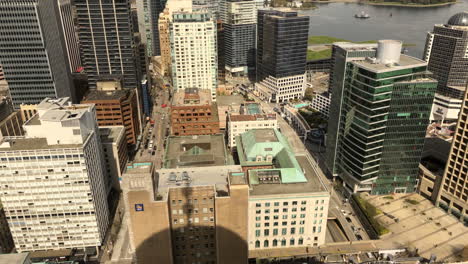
x=187, y=215
x=453, y=192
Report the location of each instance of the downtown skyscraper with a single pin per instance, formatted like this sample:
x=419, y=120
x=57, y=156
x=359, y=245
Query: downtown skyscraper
x=447, y=56
x=239, y=20
x=381, y=104
x=107, y=41
x=33, y=49
x=281, y=55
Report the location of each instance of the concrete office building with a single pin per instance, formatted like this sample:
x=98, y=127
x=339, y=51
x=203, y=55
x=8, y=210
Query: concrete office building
x=239, y=20
x=164, y=24
x=321, y=103
x=10, y=120
x=453, y=191
x=107, y=41
x=379, y=119
x=193, y=51
x=201, y=212
x=52, y=180
x=116, y=108
x=248, y=120
x=34, y=53
x=288, y=205
x=447, y=56
x=193, y=113
x=281, y=55
x=114, y=145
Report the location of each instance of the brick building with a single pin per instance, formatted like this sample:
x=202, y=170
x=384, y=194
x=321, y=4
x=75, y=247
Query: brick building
x=193, y=113
x=116, y=108
x=10, y=120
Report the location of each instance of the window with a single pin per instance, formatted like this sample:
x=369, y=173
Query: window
x=294, y=210
x=285, y=203
x=267, y=218
x=293, y=216
x=275, y=242
x=276, y=211
x=266, y=232
x=275, y=231
x=267, y=211
x=284, y=223
x=283, y=242
x=302, y=216
x=265, y=243
x=257, y=218
x=258, y=211
x=267, y=224
x=257, y=233
x=303, y=202
x=291, y=242
x=293, y=230
x=267, y=204
x=293, y=222
x=257, y=244
x=285, y=216
x=258, y=205
x=294, y=203
x=284, y=231
x=257, y=224
x=275, y=217
x=301, y=230
x=276, y=203
x=303, y=209
x=285, y=210
x=302, y=222
x=300, y=241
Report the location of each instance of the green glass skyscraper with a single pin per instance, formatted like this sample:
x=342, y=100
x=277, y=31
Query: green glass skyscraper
x=381, y=107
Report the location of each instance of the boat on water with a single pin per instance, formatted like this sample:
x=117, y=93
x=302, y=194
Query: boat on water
x=363, y=15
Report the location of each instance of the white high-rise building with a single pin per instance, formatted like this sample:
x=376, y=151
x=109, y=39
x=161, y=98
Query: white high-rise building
x=193, y=51
x=52, y=180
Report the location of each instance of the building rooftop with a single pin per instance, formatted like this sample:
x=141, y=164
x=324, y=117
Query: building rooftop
x=196, y=151
x=256, y=117
x=229, y=100
x=404, y=63
x=14, y=258
x=21, y=143
x=435, y=154
x=216, y=176
x=111, y=134
x=58, y=114
x=49, y=103
x=250, y=109
x=274, y=152
x=356, y=46
x=312, y=183
x=97, y=95
x=192, y=96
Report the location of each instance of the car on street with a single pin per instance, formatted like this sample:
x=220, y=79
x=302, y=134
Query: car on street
x=164, y=105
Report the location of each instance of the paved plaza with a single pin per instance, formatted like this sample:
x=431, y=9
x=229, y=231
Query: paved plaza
x=416, y=223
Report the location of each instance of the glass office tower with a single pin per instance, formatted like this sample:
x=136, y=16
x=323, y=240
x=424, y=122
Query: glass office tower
x=381, y=123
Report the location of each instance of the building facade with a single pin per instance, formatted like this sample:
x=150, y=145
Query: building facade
x=281, y=55
x=164, y=25
x=238, y=124
x=447, y=55
x=202, y=214
x=6, y=241
x=383, y=106
x=52, y=180
x=114, y=145
x=116, y=108
x=453, y=193
x=288, y=205
x=145, y=25
x=34, y=56
x=193, y=113
x=71, y=39
x=239, y=20
x=321, y=103
x=193, y=51
x=107, y=41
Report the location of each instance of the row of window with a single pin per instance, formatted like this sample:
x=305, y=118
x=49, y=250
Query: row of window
x=274, y=242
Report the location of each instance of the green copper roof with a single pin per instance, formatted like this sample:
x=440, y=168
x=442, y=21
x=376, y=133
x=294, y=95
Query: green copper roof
x=266, y=142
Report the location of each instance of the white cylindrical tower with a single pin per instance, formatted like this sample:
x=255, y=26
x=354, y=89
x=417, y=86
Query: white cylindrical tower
x=388, y=51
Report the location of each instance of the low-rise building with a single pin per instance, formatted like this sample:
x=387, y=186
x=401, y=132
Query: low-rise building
x=201, y=214
x=288, y=204
x=114, y=145
x=228, y=105
x=193, y=113
x=15, y=258
x=196, y=151
x=238, y=124
x=116, y=107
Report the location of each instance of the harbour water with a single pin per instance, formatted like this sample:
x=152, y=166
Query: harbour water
x=409, y=24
